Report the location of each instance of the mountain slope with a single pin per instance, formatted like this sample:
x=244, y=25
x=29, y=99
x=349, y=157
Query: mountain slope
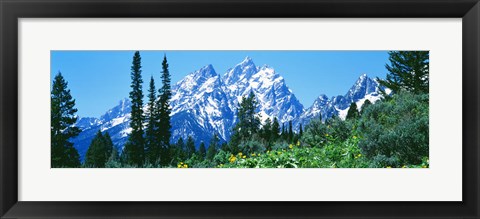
x=364, y=88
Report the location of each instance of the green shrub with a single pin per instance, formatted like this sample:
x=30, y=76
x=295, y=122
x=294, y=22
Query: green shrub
x=395, y=132
x=251, y=146
x=315, y=134
x=340, y=129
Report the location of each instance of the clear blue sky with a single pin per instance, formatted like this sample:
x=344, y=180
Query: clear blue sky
x=99, y=79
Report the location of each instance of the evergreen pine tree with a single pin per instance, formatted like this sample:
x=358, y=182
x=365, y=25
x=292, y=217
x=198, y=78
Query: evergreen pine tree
x=164, y=126
x=99, y=151
x=352, y=111
x=114, y=157
x=366, y=104
x=290, y=131
x=284, y=133
x=247, y=124
x=202, y=151
x=109, y=144
x=300, y=133
x=63, y=117
x=408, y=70
x=212, y=147
x=267, y=131
x=178, y=152
x=275, y=135
x=134, y=148
x=190, y=146
x=151, y=145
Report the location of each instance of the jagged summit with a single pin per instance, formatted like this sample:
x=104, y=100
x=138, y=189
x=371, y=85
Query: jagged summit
x=247, y=61
x=242, y=71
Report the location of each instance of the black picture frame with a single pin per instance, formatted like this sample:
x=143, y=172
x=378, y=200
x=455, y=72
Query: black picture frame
x=12, y=10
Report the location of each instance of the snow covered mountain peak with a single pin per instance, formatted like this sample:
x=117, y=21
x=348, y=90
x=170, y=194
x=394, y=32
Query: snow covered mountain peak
x=242, y=71
x=123, y=108
x=204, y=73
x=363, y=86
x=192, y=82
x=247, y=61
x=363, y=89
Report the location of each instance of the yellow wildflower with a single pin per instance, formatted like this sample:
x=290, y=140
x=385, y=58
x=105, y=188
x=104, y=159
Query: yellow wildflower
x=279, y=153
x=244, y=156
x=298, y=143
x=290, y=146
x=389, y=167
x=424, y=166
x=326, y=135
x=359, y=155
x=240, y=154
x=185, y=166
x=354, y=137
x=253, y=155
x=233, y=159
x=404, y=166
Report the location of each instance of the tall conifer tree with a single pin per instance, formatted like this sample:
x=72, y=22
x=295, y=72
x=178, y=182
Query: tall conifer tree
x=63, y=117
x=301, y=130
x=247, y=124
x=408, y=70
x=134, y=148
x=290, y=131
x=151, y=144
x=212, y=147
x=275, y=130
x=202, y=151
x=99, y=151
x=352, y=112
x=164, y=126
x=190, y=146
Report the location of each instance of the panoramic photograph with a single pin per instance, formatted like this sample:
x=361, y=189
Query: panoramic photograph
x=239, y=109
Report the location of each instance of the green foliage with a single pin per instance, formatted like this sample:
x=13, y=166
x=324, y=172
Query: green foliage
x=251, y=146
x=290, y=132
x=266, y=132
x=248, y=122
x=365, y=105
x=151, y=141
x=275, y=134
x=339, y=129
x=99, y=151
x=177, y=152
x=353, y=111
x=190, y=146
x=202, y=151
x=395, y=132
x=408, y=71
x=134, y=148
x=212, y=147
x=345, y=155
x=316, y=133
x=164, y=111
x=301, y=130
x=62, y=118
